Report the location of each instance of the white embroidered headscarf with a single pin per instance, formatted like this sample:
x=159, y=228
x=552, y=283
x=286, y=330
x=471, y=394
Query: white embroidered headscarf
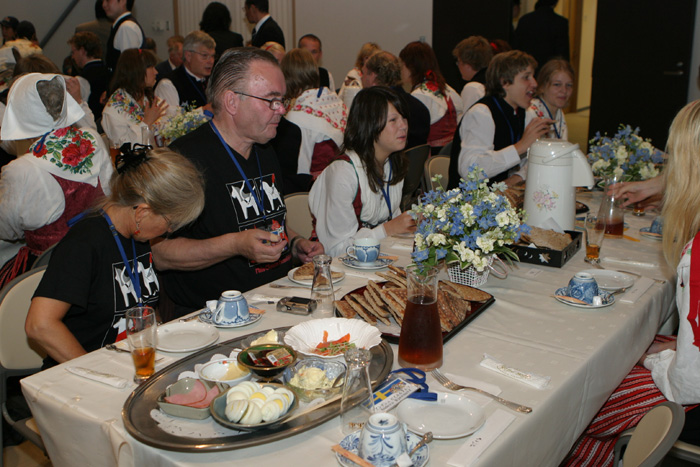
x=26, y=115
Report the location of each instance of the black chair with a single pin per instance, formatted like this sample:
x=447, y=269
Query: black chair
x=413, y=184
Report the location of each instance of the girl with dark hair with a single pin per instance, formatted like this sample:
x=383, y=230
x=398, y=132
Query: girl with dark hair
x=359, y=195
x=421, y=72
x=132, y=105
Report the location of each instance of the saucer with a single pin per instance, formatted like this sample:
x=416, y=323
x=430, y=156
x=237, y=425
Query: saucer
x=450, y=416
x=351, y=262
x=611, y=281
x=352, y=441
x=607, y=297
x=646, y=232
x=252, y=318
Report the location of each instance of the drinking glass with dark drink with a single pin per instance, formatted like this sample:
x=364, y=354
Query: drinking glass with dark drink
x=420, y=341
x=595, y=232
x=141, y=334
x=611, y=211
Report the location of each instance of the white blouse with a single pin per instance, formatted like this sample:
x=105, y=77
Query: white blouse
x=331, y=198
x=123, y=120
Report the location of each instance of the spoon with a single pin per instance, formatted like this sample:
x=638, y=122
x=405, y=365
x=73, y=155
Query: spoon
x=405, y=459
x=338, y=380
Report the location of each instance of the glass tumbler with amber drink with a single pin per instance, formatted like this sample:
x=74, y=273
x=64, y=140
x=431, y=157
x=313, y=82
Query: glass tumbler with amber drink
x=595, y=232
x=141, y=327
x=420, y=341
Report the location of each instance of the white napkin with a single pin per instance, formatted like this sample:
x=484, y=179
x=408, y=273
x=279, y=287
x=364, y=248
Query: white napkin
x=477, y=443
x=532, y=379
x=105, y=378
x=640, y=286
x=475, y=396
x=631, y=262
x=258, y=298
x=401, y=246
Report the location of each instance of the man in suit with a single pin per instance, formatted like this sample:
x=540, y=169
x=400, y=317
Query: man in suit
x=126, y=32
x=174, y=60
x=266, y=29
x=86, y=53
x=543, y=33
x=312, y=43
x=101, y=25
x=187, y=84
x=384, y=69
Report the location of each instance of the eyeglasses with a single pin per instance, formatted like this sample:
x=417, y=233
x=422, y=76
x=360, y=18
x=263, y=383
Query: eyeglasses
x=204, y=56
x=276, y=103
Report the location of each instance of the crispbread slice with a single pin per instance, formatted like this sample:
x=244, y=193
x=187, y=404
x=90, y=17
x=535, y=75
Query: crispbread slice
x=400, y=295
x=400, y=281
x=548, y=238
x=457, y=306
x=305, y=272
x=394, y=307
x=365, y=314
x=448, y=318
x=377, y=303
x=466, y=292
x=345, y=309
x=369, y=307
x=401, y=272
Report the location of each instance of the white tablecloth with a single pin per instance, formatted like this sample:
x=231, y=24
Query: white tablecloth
x=585, y=352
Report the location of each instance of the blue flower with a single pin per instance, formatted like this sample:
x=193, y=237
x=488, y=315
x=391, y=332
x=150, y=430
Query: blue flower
x=420, y=256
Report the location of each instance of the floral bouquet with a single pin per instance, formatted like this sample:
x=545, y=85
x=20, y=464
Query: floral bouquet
x=626, y=155
x=468, y=224
x=186, y=120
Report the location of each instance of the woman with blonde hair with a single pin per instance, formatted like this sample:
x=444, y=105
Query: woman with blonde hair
x=132, y=106
x=555, y=84
x=670, y=368
x=104, y=265
x=317, y=111
x=352, y=84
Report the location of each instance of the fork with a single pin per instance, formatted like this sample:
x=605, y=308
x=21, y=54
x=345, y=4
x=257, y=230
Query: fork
x=445, y=381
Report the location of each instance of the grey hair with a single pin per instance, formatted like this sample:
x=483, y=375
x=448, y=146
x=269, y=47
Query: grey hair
x=231, y=72
x=195, y=38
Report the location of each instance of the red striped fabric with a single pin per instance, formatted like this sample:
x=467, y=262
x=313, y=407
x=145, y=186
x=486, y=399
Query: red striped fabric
x=632, y=399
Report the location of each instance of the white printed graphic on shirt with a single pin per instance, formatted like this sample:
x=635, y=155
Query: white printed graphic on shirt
x=243, y=201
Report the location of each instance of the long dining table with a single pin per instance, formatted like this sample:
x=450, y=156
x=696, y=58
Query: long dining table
x=586, y=353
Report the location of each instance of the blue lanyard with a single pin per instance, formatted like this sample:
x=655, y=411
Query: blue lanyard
x=510, y=127
x=198, y=88
x=551, y=117
x=385, y=193
x=133, y=270
x=259, y=201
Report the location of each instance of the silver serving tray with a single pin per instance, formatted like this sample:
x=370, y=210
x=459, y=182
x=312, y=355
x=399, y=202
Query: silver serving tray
x=140, y=425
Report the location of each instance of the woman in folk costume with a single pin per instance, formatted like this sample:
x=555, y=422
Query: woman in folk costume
x=359, y=195
x=421, y=72
x=317, y=111
x=61, y=175
x=132, y=106
x=670, y=368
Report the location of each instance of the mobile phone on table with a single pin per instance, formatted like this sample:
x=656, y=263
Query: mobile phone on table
x=296, y=305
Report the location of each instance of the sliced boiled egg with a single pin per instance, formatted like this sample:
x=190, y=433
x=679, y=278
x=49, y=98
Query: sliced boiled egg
x=252, y=416
x=271, y=411
x=236, y=409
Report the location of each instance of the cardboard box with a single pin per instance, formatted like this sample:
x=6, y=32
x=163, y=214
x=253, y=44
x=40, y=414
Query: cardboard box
x=551, y=258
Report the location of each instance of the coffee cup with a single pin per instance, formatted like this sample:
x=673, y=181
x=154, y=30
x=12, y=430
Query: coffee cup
x=583, y=286
x=382, y=440
x=231, y=308
x=657, y=226
x=364, y=250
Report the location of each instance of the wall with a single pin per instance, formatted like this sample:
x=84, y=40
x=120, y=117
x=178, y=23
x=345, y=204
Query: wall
x=693, y=90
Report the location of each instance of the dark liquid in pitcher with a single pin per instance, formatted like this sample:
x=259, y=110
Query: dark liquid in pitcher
x=420, y=342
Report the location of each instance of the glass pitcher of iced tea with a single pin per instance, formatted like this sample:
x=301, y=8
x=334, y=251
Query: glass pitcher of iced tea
x=611, y=209
x=420, y=342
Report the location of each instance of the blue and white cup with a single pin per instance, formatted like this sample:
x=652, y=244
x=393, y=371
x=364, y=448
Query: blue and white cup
x=583, y=286
x=383, y=440
x=231, y=308
x=364, y=250
x=657, y=226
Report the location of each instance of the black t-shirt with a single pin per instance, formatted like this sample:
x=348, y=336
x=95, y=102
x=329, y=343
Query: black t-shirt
x=87, y=271
x=229, y=207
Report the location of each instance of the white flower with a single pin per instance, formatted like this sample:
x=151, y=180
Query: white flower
x=436, y=239
x=600, y=165
x=503, y=218
x=420, y=241
x=429, y=208
x=618, y=172
x=621, y=154
x=485, y=243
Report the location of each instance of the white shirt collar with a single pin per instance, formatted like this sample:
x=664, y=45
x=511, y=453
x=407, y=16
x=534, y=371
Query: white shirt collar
x=195, y=77
x=126, y=13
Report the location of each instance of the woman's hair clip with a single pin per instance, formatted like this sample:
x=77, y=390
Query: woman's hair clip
x=130, y=157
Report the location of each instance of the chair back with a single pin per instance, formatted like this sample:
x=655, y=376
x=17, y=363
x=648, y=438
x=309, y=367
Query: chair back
x=436, y=165
x=654, y=435
x=44, y=258
x=16, y=351
x=416, y=157
x=298, y=213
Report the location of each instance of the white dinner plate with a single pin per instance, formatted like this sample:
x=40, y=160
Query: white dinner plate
x=351, y=262
x=451, y=416
x=611, y=280
x=309, y=282
x=186, y=336
x=561, y=294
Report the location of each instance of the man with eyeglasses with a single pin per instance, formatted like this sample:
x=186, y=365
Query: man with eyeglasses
x=186, y=85
x=240, y=241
